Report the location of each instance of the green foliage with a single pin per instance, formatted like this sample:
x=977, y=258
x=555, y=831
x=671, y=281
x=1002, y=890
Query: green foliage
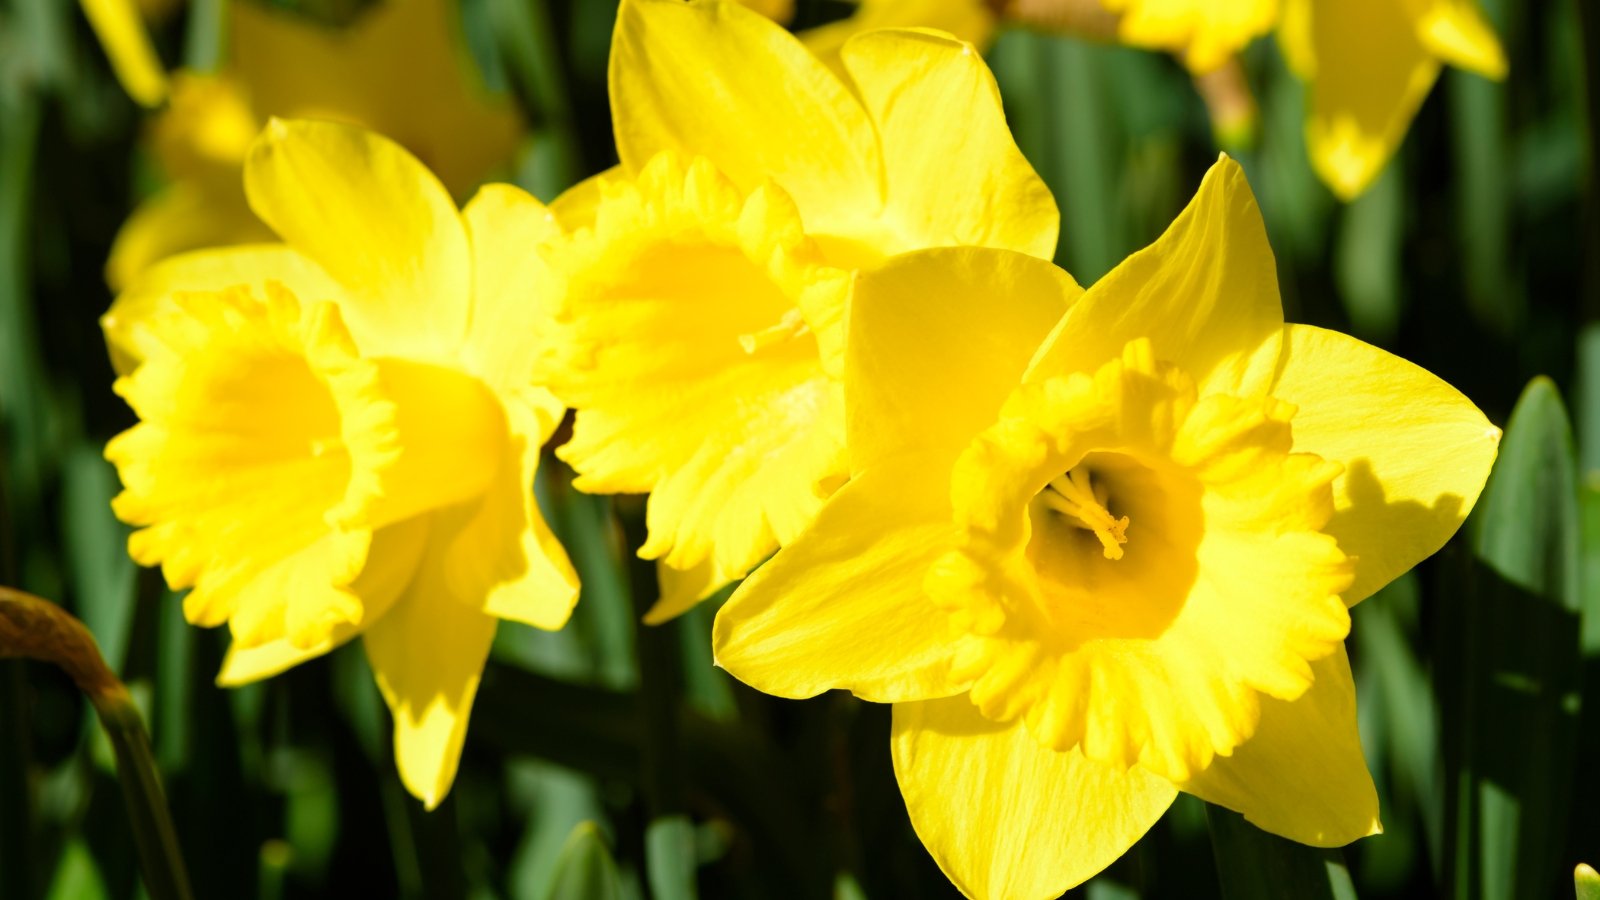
x=1255, y=865
x=585, y=870
x=1509, y=666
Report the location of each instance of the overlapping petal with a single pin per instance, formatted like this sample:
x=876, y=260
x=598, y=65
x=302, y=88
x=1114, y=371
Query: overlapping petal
x=134, y=320
x=1415, y=452
x=427, y=654
x=939, y=339
x=1205, y=294
x=502, y=558
x=185, y=216
x=392, y=560
x=1302, y=775
x=673, y=68
x=1006, y=817
x=947, y=186
x=378, y=222
x=972, y=21
x=816, y=615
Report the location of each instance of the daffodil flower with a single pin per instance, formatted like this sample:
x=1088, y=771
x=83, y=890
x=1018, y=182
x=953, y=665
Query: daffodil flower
x=398, y=69
x=338, y=434
x=972, y=21
x=1098, y=546
x=1368, y=64
x=700, y=330
x=1204, y=33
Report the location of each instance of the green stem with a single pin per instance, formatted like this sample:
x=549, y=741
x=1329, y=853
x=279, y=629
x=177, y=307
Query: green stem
x=159, y=855
x=31, y=628
x=660, y=680
x=1589, y=30
x=437, y=839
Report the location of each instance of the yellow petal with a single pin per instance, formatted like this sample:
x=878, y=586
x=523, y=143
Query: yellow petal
x=502, y=558
x=939, y=339
x=776, y=10
x=128, y=324
x=714, y=79
x=972, y=21
x=121, y=32
x=206, y=129
x=681, y=590
x=576, y=206
x=187, y=215
x=1007, y=819
x=1302, y=775
x=509, y=231
x=1456, y=32
x=1204, y=33
x=948, y=185
x=1372, y=72
x=391, y=561
x=1205, y=294
x=1294, y=38
x=400, y=69
x=427, y=654
x=683, y=341
x=377, y=221
x=816, y=616
x=1415, y=451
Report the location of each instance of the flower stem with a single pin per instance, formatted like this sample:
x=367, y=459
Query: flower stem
x=1589, y=30
x=31, y=628
x=660, y=679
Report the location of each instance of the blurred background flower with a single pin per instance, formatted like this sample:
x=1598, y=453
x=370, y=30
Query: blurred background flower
x=399, y=68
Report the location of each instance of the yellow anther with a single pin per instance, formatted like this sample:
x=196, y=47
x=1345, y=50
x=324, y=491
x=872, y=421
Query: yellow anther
x=790, y=326
x=1082, y=500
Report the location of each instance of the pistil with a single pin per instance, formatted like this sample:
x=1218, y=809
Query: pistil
x=792, y=325
x=1083, y=501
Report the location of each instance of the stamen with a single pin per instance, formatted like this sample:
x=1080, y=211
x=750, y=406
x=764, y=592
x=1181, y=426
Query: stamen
x=790, y=326
x=1083, y=500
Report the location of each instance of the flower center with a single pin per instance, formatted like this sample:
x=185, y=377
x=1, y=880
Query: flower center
x=1082, y=498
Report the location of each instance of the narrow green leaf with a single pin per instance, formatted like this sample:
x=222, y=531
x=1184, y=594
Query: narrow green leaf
x=1479, y=113
x=1586, y=882
x=1584, y=835
x=1367, y=258
x=103, y=575
x=1509, y=666
x=670, y=858
x=1255, y=865
x=553, y=801
x=585, y=870
x=77, y=877
x=846, y=887
x=205, y=41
